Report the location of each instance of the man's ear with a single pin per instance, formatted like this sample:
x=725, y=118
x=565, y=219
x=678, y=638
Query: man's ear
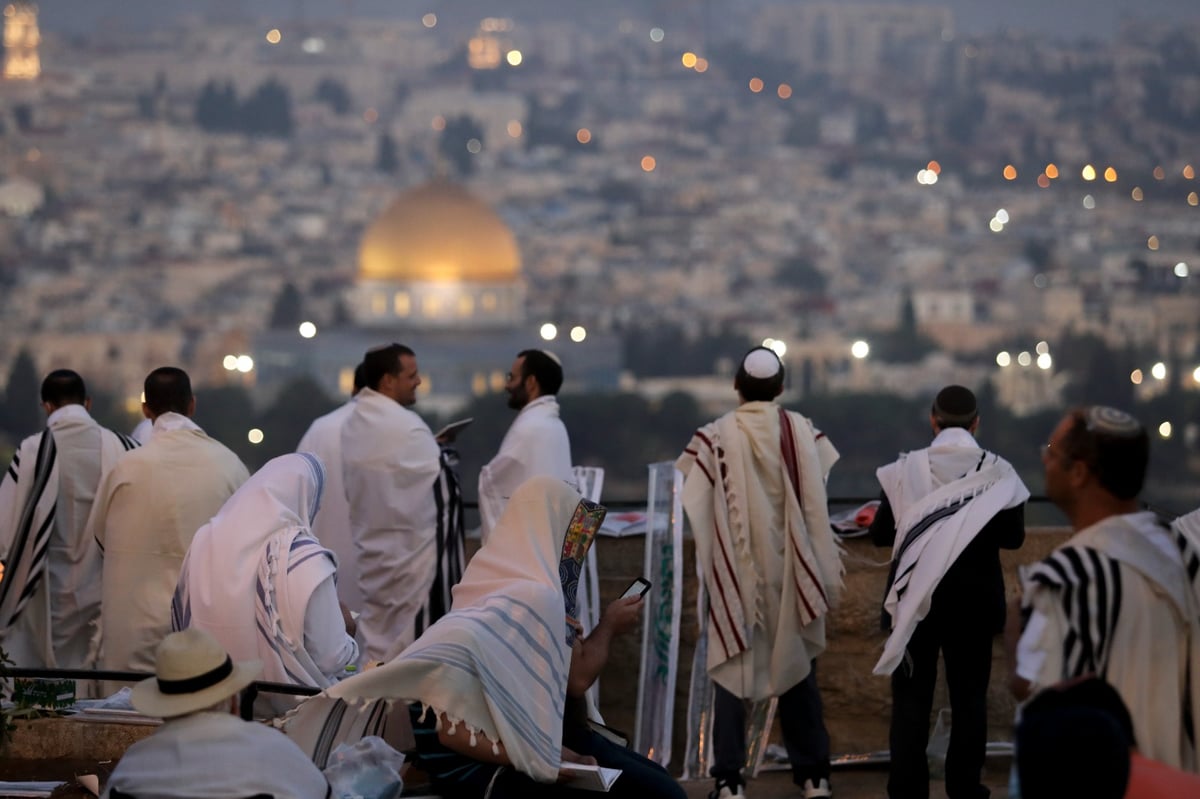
x=192, y=407
x=146, y=412
x=48, y=408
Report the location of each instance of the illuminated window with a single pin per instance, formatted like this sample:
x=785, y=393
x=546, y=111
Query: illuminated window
x=466, y=305
x=378, y=304
x=479, y=384
x=426, y=385
x=433, y=306
x=401, y=304
x=346, y=381
x=488, y=301
x=496, y=380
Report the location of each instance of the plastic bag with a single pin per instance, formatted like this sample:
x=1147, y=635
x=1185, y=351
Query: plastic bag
x=367, y=769
x=939, y=745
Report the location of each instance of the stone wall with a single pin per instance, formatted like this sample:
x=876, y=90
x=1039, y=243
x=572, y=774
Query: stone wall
x=857, y=704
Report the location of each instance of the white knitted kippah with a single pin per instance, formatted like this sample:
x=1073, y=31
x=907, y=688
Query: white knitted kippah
x=761, y=363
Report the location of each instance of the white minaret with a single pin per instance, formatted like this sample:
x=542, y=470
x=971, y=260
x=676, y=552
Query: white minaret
x=21, y=39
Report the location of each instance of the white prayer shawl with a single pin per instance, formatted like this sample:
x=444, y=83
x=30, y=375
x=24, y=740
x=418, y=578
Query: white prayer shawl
x=498, y=662
x=141, y=433
x=216, y=756
x=390, y=466
x=1121, y=599
x=50, y=592
x=535, y=444
x=754, y=491
x=250, y=575
x=332, y=525
x=942, y=497
x=147, y=510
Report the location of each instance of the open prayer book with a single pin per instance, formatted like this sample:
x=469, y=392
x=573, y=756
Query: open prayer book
x=590, y=778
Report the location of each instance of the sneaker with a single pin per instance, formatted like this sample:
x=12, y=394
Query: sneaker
x=725, y=790
x=815, y=789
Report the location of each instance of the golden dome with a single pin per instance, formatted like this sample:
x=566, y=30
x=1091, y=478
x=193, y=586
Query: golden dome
x=439, y=233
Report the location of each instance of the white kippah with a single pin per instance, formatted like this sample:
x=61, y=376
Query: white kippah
x=761, y=363
x=551, y=356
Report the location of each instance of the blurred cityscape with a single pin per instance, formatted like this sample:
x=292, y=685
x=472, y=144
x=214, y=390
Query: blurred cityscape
x=890, y=203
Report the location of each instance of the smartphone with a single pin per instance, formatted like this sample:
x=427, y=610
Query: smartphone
x=638, y=587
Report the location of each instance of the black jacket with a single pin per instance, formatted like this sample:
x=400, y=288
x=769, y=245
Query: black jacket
x=972, y=590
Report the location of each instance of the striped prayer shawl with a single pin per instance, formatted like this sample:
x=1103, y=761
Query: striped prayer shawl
x=934, y=526
x=498, y=662
x=33, y=486
x=1089, y=584
x=450, y=539
x=500, y=667
x=715, y=495
x=25, y=563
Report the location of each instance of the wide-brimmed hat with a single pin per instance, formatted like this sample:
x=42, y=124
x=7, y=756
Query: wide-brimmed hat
x=192, y=672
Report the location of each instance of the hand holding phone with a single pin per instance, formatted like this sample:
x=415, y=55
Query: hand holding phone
x=638, y=587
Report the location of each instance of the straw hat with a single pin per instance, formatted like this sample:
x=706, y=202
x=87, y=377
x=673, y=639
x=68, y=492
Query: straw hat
x=192, y=672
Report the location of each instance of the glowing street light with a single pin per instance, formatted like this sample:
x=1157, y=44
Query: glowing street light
x=1044, y=361
x=548, y=332
x=255, y=436
x=514, y=58
x=1136, y=377
x=274, y=36
x=1003, y=359
x=429, y=20
x=230, y=362
x=578, y=333
x=307, y=330
x=1024, y=359
x=860, y=349
x=1196, y=375
x=1159, y=371
x=245, y=364
x=1164, y=429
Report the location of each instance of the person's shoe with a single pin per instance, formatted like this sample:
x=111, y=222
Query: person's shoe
x=816, y=789
x=726, y=789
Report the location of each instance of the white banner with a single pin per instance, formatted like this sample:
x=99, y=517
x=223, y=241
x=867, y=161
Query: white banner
x=660, y=631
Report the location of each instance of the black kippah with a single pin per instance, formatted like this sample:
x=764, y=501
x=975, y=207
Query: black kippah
x=955, y=405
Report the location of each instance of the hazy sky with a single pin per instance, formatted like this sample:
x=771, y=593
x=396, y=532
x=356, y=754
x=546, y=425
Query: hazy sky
x=1068, y=18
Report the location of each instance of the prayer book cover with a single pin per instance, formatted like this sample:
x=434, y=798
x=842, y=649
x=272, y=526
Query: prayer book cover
x=591, y=778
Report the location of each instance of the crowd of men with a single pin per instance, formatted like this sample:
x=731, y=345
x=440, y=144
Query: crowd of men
x=347, y=555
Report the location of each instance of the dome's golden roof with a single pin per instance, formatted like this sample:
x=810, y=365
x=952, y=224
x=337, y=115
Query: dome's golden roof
x=439, y=233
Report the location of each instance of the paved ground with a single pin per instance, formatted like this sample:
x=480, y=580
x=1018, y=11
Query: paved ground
x=847, y=784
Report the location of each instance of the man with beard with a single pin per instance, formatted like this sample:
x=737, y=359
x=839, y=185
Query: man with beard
x=535, y=444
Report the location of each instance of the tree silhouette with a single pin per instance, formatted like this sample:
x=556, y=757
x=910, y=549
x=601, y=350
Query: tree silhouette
x=453, y=144
x=334, y=94
x=387, y=159
x=268, y=112
x=22, y=398
x=288, y=310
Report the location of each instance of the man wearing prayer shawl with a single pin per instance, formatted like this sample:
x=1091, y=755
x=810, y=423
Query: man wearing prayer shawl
x=332, y=526
x=202, y=748
x=257, y=580
x=946, y=511
x=405, y=506
x=147, y=510
x=754, y=491
x=536, y=443
x=50, y=590
x=1121, y=598
x=490, y=678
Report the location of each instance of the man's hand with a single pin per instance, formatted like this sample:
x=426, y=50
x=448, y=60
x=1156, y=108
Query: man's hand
x=570, y=756
x=348, y=619
x=623, y=614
